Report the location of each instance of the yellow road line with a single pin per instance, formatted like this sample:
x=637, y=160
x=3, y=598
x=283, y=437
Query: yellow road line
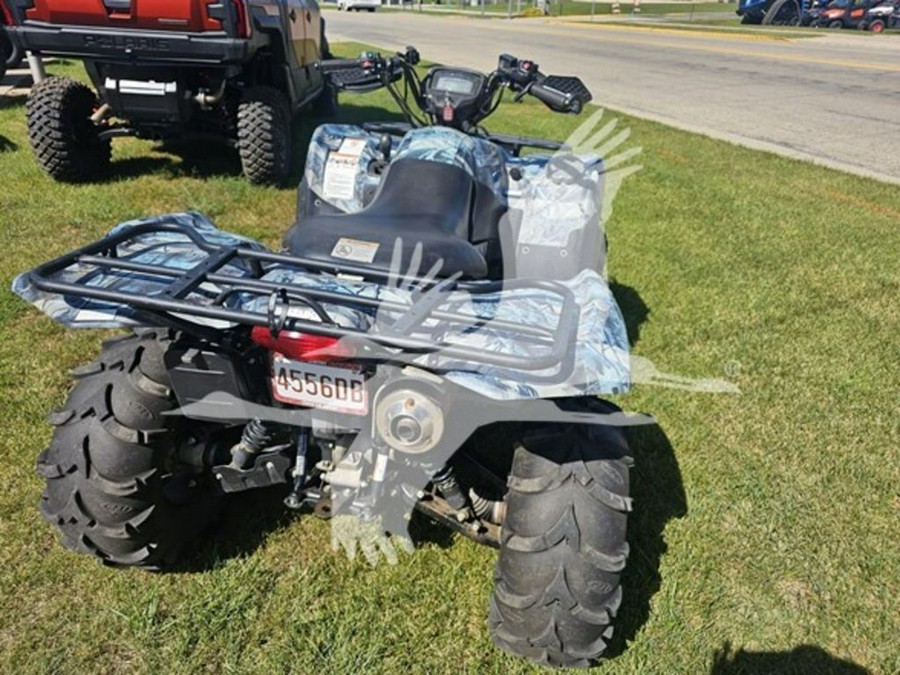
x=728, y=51
x=705, y=31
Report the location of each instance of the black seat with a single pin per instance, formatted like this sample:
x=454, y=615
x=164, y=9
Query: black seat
x=419, y=201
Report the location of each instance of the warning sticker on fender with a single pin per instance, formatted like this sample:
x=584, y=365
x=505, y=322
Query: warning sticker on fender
x=341, y=168
x=355, y=250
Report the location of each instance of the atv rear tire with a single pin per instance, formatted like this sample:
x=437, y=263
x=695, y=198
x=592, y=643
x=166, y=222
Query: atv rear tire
x=114, y=486
x=264, y=135
x=562, y=547
x=64, y=139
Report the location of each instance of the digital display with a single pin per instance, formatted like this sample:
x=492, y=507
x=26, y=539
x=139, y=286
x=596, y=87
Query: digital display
x=456, y=83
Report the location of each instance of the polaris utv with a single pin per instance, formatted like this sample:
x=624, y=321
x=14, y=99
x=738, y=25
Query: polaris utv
x=844, y=14
x=238, y=70
x=883, y=16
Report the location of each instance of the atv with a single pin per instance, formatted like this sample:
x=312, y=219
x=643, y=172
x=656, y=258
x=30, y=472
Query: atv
x=238, y=71
x=434, y=339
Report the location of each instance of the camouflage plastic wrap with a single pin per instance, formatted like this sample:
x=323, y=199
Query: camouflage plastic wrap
x=553, y=195
x=601, y=362
x=163, y=249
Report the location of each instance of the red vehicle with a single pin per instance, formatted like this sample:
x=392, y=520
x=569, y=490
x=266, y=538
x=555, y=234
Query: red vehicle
x=239, y=70
x=845, y=14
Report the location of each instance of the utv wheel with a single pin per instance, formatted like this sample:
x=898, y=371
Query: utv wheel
x=264, y=135
x=783, y=13
x=114, y=485
x=834, y=25
x=877, y=26
x=563, y=547
x=64, y=139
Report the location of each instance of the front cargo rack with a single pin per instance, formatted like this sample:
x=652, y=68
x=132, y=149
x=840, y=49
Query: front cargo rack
x=207, y=291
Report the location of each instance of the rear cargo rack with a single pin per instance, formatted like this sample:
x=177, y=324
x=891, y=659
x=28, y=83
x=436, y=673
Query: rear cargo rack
x=166, y=292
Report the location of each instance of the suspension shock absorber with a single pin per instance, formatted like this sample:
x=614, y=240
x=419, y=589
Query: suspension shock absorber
x=294, y=500
x=257, y=437
x=445, y=482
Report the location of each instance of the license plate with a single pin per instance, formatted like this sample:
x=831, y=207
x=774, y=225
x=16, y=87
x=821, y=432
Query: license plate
x=314, y=385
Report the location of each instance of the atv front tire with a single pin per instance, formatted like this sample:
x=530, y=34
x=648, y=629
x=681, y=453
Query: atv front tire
x=64, y=139
x=562, y=547
x=264, y=135
x=114, y=485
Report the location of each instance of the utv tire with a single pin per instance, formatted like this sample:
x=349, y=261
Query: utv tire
x=264, y=135
x=562, y=547
x=783, y=13
x=877, y=26
x=114, y=487
x=64, y=139
x=836, y=24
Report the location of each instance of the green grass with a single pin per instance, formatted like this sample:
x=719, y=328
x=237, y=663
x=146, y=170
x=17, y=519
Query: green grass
x=764, y=522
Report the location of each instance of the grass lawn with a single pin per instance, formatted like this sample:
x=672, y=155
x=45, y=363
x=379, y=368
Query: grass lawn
x=765, y=533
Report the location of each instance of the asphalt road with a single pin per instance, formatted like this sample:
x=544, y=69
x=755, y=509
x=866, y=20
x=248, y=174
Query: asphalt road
x=834, y=100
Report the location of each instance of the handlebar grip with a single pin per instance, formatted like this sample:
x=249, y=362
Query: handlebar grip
x=555, y=99
x=335, y=65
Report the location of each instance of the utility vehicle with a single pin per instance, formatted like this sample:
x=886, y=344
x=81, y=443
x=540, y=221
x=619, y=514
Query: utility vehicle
x=773, y=12
x=434, y=338
x=844, y=14
x=235, y=70
x=883, y=16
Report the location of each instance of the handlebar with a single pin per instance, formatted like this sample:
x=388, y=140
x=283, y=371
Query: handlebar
x=373, y=71
x=336, y=65
x=555, y=99
x=560, y=94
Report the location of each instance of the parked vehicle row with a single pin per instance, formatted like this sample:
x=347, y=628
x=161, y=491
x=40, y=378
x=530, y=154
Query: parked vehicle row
x=874, y=15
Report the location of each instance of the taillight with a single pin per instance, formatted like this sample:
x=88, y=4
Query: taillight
x=217, y=11
x=302, y=346
x=243, y=21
